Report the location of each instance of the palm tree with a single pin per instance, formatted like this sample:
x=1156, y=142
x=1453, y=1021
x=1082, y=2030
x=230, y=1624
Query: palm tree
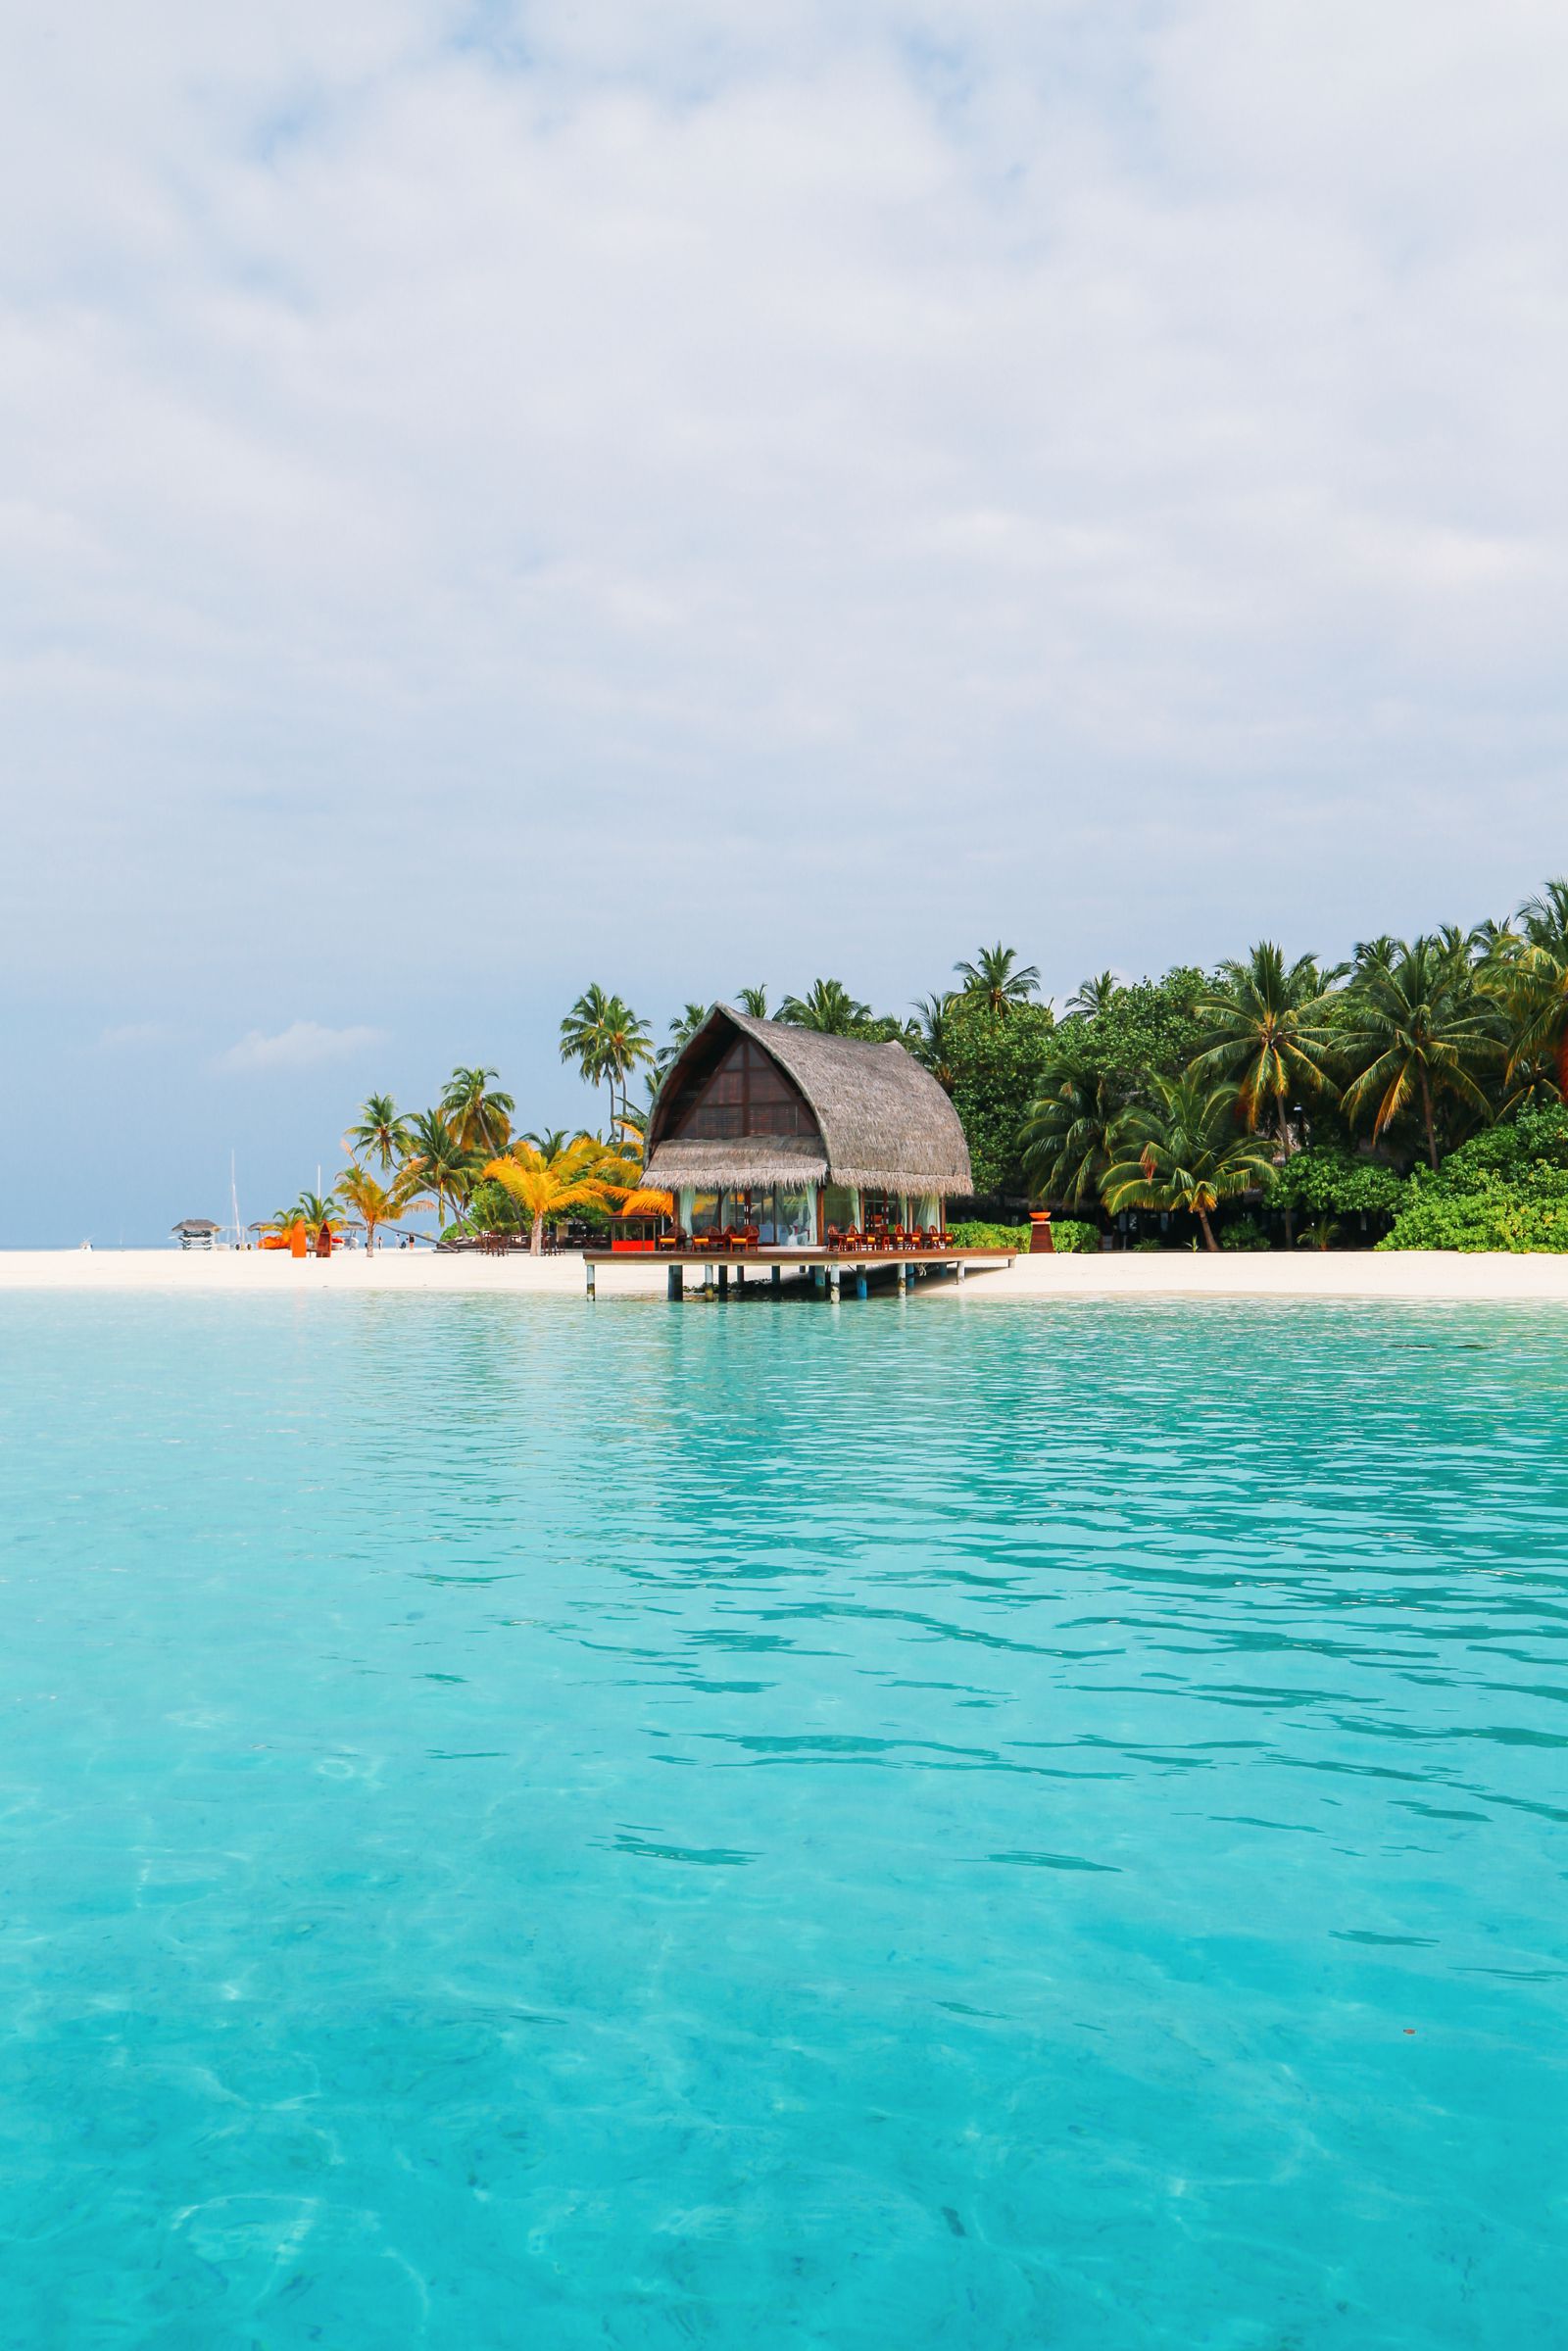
x=1092, y=996
x=1182, y=1150
x=828, y=1008
x=313, y=1211
x=1418, y=1026
x=587, y=1172
x=997, y=979
x=479, y=1116
x=606, y=1039
x=681, y=1032
x=376, y=1205
x=1527, y=971
x=1266, y=1034
x=438, y=1159
x=754, y=1002
x=549, y=1140
x=1066, y=1137
x=932, y=1043
x=382, y=1131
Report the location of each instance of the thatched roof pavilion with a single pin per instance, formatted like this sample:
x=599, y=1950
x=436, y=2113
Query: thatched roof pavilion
x=758, y=1107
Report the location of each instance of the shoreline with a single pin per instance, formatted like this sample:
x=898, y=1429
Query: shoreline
x=1432, y=1275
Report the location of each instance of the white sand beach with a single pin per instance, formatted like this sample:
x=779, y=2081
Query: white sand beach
x=1439, y=1275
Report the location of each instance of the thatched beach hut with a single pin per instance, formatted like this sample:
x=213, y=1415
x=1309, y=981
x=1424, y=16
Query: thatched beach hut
x=793, y=1136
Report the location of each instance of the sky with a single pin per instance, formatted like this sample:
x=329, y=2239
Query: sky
x=495, y=497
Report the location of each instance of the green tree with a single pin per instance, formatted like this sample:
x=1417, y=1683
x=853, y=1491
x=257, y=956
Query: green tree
x=313, y=1211
x=1094, y=997
x=1265, y=1033
x=932, y=1045
x=1182, y=1150
x=998, y=980
x=607, y=1039
x=479, y=1115
x=376, y=1205
x=1527, y=971
x=997, y=1069
x=828, y=1008
x=1416, y=1029
x=1066, y=1139
x=754, y=1002
x=438, y=1160
x=382, y=1131
x=1325, y=1179
x=682, y=1030
x=1140, y=1031
x=587, y=1172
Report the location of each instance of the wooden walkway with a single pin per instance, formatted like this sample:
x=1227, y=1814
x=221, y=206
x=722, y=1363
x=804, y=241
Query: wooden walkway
x=826, y=1268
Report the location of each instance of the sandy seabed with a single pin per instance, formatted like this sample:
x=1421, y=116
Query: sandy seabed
x=1302, y=1274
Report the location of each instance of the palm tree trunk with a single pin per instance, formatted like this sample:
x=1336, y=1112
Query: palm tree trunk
x=1209, y=1240
x=1426, y=1112
x=536, y=1239
x=1284, y=1153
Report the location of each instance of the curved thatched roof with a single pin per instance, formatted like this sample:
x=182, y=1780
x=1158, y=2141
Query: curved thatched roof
x=884, y=1122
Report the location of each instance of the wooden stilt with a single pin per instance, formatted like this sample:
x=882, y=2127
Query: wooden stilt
x=834, y=1279
x=778, y=1277
x=861, y=1286
x=677, y=1281
x=723, y=1281
x=591, y=1270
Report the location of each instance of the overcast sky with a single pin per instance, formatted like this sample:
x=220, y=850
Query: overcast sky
x=494, y=497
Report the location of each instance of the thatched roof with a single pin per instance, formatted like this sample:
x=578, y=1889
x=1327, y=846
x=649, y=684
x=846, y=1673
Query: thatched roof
x=196, y=1224
x=885, y=1123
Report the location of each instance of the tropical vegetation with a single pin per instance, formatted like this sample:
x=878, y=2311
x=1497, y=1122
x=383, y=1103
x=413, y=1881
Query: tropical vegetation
x=1413, y=1095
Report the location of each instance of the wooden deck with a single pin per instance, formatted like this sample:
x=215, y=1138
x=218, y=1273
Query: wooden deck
x=871, y=1258
x=829, y=1271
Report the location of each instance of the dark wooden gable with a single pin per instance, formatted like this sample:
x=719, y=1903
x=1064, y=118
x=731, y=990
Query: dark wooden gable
x=735, y=1089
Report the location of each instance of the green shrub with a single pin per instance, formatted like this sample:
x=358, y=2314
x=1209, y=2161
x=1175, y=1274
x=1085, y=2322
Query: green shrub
x=1486, y=1211
x=1244, y=1232
x=1327, y=1180
x=1072, y=1239
x=1506, y=1188
x=1146, y=1248
x=975, y=1234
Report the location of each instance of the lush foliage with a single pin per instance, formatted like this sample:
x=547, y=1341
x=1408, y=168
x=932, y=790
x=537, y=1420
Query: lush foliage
x=1506, y=1188
x=1269, y=1084
x=1327, y=1179
x=974, y=1233
x=587, y=1171
x=995, y=1064
x=1182, y=1149
x=1071, y=1238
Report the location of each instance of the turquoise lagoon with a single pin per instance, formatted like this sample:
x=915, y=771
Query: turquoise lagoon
x=918, y=1824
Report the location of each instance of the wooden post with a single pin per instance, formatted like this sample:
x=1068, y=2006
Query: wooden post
x=723, y=1281
x=677, y=1283
x=834, y=1278
x=708, y=1281
x=860, y=1286
x=778, y=1277
x=740, y=1277
x=589, y=1268
x=961, y=1269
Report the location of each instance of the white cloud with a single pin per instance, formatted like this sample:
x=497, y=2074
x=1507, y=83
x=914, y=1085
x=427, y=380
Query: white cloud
x=1128, y=437
x=302, y=1045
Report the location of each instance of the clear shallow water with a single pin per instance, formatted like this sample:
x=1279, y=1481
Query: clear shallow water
x=914, y=1826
